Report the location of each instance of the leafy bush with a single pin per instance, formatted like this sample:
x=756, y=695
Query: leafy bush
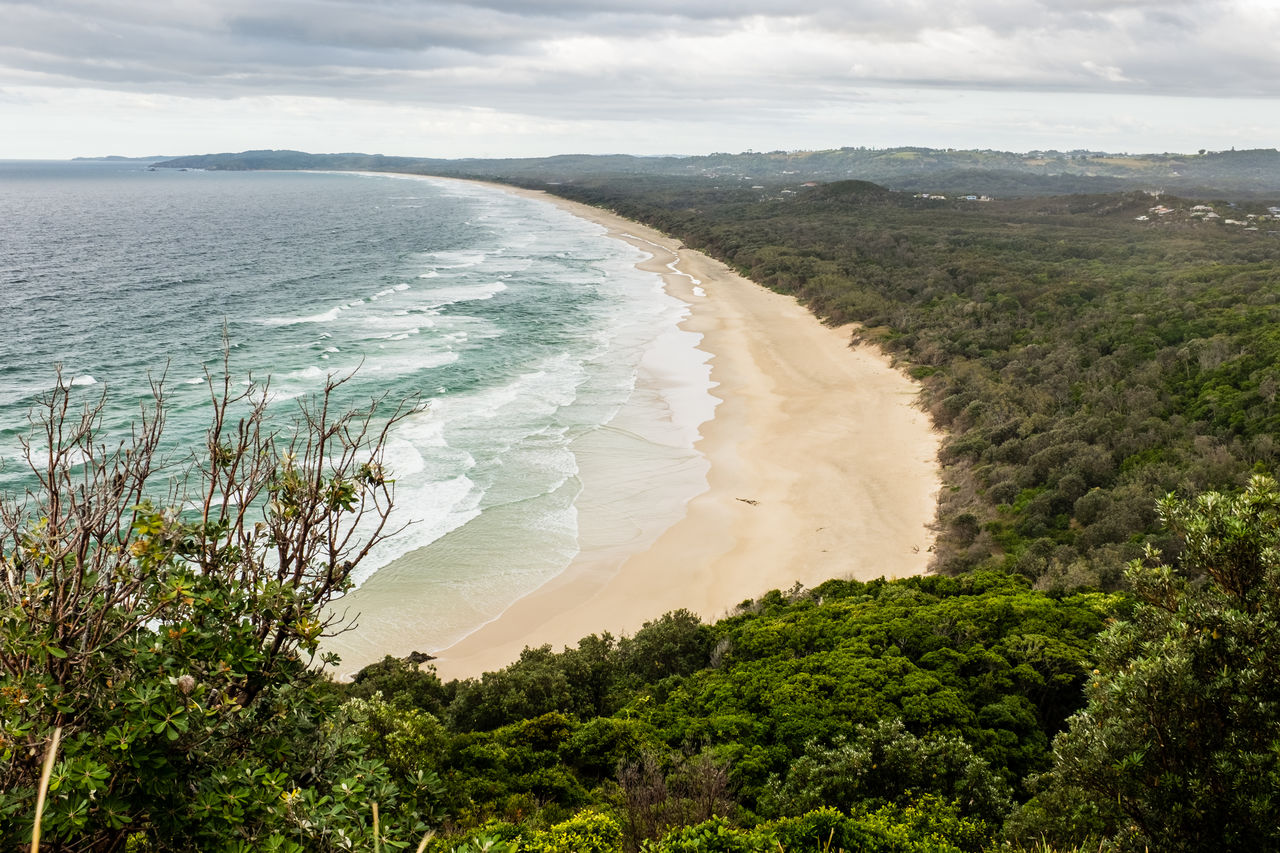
x=931, y=825
x=1176, y=750
x=711, y=836
x=586, y=832
x=886, y=763
x=174, y=646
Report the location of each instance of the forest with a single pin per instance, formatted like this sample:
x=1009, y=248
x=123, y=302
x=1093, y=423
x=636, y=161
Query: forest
x=1092, y=664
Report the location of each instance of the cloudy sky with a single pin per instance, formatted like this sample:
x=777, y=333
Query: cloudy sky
x=536, y=77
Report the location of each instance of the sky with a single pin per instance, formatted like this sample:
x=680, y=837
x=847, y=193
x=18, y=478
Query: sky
x=528, y=78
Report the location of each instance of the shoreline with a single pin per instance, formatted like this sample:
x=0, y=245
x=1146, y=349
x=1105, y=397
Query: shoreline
x=820, y=467
x=634, y=475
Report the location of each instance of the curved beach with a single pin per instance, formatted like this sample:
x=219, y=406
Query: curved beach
x=821, y=466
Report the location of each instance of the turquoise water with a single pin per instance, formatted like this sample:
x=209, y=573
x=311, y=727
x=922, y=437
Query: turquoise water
x=522, y=327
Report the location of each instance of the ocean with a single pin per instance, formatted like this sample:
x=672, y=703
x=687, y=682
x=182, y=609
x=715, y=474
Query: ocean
x=522, y=328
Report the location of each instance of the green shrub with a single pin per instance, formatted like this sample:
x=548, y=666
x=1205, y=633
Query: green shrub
x=1177, y=748
x=711, y=836
x=175, y=647
x=586, y=832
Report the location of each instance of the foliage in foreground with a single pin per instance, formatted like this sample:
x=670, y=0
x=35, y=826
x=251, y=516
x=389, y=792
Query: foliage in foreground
x=174, y=647
x=930, y=826
x=1179, y=746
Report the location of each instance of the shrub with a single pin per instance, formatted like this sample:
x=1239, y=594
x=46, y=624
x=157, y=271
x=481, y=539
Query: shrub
x=1176, y=750
x=174, y=646
x=586, y=832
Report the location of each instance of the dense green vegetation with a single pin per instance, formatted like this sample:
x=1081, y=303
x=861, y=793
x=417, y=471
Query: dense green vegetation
x=851, y=694
x=910, y=715
x=1083, y=363
x=1177, y=748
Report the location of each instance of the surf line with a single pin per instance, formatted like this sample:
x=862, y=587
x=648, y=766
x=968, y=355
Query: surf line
x=697, y=289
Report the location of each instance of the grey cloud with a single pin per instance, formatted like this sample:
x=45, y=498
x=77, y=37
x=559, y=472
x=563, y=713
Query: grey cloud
x=402, y=27
x=493, y=53
x=680, y=9
x=1168, y=19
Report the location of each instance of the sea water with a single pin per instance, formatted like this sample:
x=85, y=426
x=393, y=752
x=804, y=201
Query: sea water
x=519, y=328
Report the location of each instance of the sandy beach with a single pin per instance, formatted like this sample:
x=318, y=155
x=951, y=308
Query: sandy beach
x=820, y=466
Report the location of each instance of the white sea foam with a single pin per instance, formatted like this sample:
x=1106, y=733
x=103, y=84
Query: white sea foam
x=437, y=509
x=531, y=396
x=323, y=317
x=74, y=457
x=308, y=373
x=456, y=260
x=379, y=326
x=441, y=296
x=406, y=363
x=402, y=459
x=424, y=429
x=390, y=291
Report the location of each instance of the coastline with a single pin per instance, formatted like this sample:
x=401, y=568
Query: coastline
x=820, y=467
x=632, y=477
